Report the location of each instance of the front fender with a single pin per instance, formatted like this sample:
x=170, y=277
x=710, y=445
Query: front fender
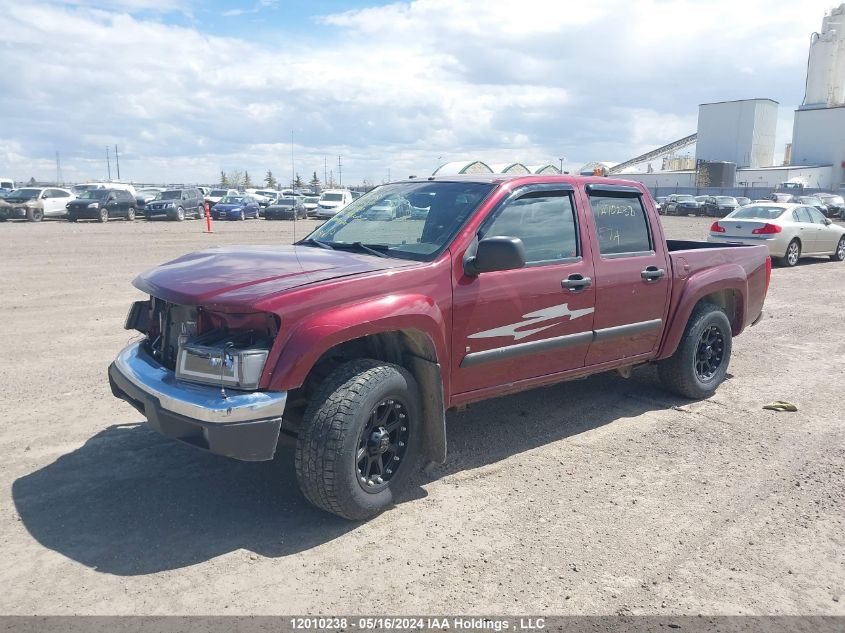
x=730, y=277
x=319, y=332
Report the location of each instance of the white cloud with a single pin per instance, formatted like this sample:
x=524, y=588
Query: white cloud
x=390, y=87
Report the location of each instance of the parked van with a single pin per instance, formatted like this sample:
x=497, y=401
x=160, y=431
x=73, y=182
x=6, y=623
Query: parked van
x=332, y=201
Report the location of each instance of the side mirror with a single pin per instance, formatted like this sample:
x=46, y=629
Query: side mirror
x=828, y=221
x=496, y=253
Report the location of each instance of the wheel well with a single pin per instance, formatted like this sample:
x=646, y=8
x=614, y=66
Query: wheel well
x=729, y=301
x=411, y=349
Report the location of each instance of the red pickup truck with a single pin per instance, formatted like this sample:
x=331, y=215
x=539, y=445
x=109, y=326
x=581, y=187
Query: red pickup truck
x=355, y=340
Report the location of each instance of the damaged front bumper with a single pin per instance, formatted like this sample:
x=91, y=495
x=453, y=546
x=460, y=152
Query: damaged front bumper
x=242, y=425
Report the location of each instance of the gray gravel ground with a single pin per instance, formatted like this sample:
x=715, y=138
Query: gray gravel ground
x=598, y=496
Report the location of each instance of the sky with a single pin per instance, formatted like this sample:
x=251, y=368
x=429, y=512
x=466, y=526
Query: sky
x=186, y=89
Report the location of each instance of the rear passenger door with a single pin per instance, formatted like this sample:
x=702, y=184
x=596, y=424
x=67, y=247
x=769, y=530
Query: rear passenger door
x=512, y=325
x=631, y=271
x=807, y=229
x=826, y=239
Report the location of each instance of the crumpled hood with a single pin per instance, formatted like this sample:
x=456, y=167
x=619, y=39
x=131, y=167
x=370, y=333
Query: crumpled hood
x=242, y=275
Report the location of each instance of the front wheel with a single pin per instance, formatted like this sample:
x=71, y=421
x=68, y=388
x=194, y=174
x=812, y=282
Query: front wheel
x=104, y=215
x=700, y=363
x=34, y=215
x=130, y=215
x=180, y=214
x=359, y=440
x=839, y=253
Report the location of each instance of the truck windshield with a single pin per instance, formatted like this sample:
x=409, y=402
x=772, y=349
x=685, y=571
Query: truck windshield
x=423, y=218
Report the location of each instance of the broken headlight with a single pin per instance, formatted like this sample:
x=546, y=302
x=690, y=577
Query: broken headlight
x=223, y=358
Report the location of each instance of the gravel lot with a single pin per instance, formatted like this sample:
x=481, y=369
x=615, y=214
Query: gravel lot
x=598, y=496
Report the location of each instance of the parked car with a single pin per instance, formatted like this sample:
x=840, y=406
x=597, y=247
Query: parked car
x=217, y=195
x=204, y=191
x=742, y=201
x=718, y=206
x=145, y=196
x=311, y=203
x=813, y=201
x=35, y=203
x=659, y=202
x=177, y=204
x=102, y=204
x=681, y=204
x=790, y=231
x=356, y=340
x=388, y=209
x=784, y=198
x=332, y=201
x=269, y=196
x=239, y=207
x=286, y=209
x=834, y=205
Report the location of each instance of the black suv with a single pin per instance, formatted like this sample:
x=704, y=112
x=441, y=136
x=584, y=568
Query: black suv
x=177, y=204
x=719, y=206
x=102, y=204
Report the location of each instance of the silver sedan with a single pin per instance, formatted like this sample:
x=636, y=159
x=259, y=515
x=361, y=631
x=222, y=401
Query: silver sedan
x=791, y=231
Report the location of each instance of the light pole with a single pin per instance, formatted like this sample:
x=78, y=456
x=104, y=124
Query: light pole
x=561, y=159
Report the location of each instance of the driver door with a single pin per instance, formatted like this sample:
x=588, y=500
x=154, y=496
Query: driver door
x=512, y=325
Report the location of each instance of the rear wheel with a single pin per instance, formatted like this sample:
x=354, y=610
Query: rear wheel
x=700, y=363
x=793, y=254
x=360, y=437
x=839, y=253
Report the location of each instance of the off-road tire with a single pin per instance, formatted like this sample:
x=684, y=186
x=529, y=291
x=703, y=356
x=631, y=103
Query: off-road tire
x=790, y=258
x=678, y=372
x=34, y=215
x=326, y=451
x=839, y=253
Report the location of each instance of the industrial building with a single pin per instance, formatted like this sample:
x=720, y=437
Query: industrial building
x=735, y=140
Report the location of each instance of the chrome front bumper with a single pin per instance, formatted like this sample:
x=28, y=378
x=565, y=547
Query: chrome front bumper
x=242, y=425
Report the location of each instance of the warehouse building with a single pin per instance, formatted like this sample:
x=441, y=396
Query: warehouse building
x=742, y=133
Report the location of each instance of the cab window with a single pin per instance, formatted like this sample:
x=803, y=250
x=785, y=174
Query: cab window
x=621, y=225
x=544, y=221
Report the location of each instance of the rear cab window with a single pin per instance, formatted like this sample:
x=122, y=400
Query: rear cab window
x=622, y=226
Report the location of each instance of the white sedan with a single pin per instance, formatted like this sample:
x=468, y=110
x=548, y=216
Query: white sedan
x=791, y=231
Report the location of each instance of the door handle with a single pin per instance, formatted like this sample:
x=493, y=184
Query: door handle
x=576, y=283
x=652, y=273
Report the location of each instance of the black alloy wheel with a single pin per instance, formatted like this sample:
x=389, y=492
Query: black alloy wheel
x=710, y=353
x=382, y=445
